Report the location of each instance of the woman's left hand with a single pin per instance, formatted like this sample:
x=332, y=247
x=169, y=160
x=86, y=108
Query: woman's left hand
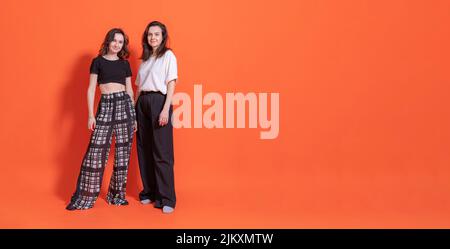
x=164, y=117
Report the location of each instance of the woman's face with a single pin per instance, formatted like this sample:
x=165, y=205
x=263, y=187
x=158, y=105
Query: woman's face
x=154, y=36
x=116, y=44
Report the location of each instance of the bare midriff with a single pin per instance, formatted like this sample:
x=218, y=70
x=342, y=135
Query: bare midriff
x=111, y=87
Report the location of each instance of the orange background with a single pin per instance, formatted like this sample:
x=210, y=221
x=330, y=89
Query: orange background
x=364, y=113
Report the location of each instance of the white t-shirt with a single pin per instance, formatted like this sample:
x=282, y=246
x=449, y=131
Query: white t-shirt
x=155, y=74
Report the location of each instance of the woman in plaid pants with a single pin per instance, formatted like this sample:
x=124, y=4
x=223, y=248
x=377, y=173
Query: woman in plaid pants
x=115, y=115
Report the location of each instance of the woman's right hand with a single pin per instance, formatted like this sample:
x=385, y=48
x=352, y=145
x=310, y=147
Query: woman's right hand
x=91, y=123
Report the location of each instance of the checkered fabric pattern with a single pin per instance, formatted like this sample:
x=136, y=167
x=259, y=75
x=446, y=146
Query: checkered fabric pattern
x=115, y=116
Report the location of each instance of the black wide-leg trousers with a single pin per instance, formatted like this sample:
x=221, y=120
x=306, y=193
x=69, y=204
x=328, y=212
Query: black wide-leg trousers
x=155, y=150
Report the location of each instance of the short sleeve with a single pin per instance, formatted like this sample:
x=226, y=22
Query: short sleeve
x=172, y=70
x=127, y=69
x=94, y=67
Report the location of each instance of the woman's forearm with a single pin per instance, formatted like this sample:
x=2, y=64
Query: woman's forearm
x=91, y=94
x=138, y=92
x=169, y=95
x=90, y=101
x=129, y=88
x=130, y=92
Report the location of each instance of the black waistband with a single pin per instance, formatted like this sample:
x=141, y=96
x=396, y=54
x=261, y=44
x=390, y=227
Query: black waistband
x=151, y=92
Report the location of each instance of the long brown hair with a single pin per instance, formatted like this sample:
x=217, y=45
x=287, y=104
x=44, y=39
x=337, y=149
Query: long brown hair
x=124, y=53
x=147, y=50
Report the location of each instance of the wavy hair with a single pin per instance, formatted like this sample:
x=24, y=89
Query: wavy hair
x=124, y=53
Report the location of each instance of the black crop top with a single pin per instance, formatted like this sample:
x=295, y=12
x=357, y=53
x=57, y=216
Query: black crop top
x=110, y=71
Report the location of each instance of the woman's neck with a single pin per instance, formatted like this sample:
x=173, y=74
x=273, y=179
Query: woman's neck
x=154, y=49
x=111, y=56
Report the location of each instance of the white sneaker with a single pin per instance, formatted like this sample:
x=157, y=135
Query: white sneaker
x=146, y=201
x=167, y=209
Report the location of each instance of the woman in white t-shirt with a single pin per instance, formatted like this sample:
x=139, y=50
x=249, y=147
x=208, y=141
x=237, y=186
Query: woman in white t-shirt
x=156, y=81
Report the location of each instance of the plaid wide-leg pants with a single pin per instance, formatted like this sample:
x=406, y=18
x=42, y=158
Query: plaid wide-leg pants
x=115, y=115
